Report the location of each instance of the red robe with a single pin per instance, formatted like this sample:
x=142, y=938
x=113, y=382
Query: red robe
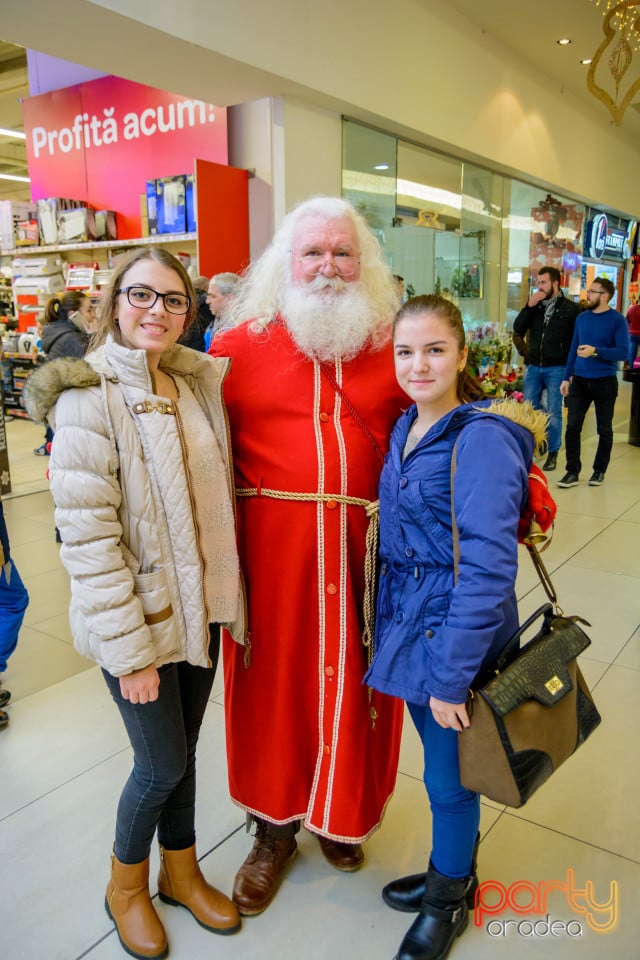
x=300, y=742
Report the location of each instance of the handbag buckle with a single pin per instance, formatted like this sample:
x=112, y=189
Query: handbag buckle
x=554, y=685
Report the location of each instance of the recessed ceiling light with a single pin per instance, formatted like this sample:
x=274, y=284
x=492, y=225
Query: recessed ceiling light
x=564, y=41
x=381, y=166
x=586, y=62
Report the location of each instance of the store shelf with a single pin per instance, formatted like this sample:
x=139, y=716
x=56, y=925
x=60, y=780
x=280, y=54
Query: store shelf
x=18, y=367
x=158, y=239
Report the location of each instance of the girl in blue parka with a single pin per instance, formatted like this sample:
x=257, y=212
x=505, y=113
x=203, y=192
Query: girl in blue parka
x=436, y=627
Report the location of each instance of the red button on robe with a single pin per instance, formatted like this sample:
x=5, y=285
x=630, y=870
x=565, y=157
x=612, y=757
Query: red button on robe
x=299, y=737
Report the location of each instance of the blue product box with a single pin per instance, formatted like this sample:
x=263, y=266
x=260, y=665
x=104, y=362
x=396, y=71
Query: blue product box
x=190, y=202
x=152, y=206
x=171, y=206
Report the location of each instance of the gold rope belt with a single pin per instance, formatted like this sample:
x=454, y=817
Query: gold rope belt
x=371, y=508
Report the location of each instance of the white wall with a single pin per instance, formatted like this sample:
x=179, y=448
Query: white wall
x=415, y=67
x=313, y=152
x=419, y=68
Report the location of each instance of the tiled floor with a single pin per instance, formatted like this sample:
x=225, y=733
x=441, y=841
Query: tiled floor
x=65, y=756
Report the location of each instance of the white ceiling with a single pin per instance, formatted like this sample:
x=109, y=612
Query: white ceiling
x=528, y=30
x=532, y=32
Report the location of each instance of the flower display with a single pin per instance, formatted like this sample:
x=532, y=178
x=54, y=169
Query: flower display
x=489, y=358
x=509, y=385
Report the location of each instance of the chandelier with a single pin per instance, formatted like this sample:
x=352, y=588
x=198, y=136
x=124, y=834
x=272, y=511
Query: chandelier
x=621, y=29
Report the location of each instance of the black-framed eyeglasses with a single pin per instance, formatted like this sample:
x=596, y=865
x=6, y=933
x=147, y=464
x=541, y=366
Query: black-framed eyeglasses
x=144, y=297
x=597, y=292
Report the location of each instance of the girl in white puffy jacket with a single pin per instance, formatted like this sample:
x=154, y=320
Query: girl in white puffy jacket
x=141, y=478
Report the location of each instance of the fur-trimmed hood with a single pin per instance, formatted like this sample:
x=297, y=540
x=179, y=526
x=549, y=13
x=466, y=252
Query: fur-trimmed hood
x=523, y=414
x=113, y=362
x=45, y=385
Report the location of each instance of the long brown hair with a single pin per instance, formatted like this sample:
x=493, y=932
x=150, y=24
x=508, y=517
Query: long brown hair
x=107, y=322
x=60, y=306
x=467, y=387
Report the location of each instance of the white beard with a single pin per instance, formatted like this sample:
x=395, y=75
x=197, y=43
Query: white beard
x=328, y=318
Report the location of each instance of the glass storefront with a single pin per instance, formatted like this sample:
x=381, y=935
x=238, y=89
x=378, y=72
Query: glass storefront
x=454, y=228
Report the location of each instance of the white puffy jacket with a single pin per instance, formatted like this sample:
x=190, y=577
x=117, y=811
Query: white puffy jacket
x=136, y=569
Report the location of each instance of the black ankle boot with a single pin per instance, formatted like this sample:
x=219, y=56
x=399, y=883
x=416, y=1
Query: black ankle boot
x=406, y=893
x=443, y=916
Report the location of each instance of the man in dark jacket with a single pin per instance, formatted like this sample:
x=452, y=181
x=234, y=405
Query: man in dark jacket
x=549, y=317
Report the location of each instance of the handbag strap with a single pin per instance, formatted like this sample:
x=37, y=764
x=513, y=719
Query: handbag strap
x=328, y=372
x=536, y=559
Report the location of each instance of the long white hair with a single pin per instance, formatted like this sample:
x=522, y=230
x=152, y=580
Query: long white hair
x=266, y=284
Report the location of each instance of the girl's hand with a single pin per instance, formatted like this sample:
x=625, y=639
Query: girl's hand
x=141, y=686
x=450, y=716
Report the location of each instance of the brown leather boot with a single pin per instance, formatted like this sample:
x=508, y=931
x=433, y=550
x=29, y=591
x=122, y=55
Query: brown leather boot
x=258, y=878
x=347, y=857
x=128, y=904
x=181, y=883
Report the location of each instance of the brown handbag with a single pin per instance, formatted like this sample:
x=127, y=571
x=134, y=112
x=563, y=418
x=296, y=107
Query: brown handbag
x=532, y=708
x=533, y=713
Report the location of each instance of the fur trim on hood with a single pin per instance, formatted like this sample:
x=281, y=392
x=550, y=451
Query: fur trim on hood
x=535, y=421
x=45, y=385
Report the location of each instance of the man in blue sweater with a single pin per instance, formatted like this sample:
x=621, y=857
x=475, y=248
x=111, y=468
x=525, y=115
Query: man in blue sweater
x=600, y=341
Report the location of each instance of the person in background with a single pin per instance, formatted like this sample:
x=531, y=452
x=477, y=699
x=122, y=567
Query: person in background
x=141, y=479
x=549, y=319
x=441, y=619
x=63, y=330
x=223, y=287
x=194, y=335
x=399, y=282
x=600, y=342
x=633, y=319
x=311, y=401
x=14, y=601
x=90, y=319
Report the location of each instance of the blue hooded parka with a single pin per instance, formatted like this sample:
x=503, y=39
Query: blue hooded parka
x=435, y=632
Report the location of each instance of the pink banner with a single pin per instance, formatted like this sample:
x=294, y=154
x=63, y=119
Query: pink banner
x=100, y=142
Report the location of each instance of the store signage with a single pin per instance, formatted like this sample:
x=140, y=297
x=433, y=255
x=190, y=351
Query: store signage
x=629, y=247
x=597, y=236
x=614, y=243
x=100, y=142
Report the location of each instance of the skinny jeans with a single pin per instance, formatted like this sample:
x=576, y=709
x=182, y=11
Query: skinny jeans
x=455, y=810
x=602, y=392
x=160, y=793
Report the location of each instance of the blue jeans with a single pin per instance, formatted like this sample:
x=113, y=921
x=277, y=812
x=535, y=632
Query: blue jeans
x=634, y=345
x=602, y=392
x=161, y=790
x=14, y=600
x=455, y=810
x=536, y=380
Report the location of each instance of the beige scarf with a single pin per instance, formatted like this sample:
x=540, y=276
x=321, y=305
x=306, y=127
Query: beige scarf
x=213, y=510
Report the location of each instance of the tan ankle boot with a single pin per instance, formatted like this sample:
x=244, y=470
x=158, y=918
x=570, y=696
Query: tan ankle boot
x=181, y=883
x=128, y=903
